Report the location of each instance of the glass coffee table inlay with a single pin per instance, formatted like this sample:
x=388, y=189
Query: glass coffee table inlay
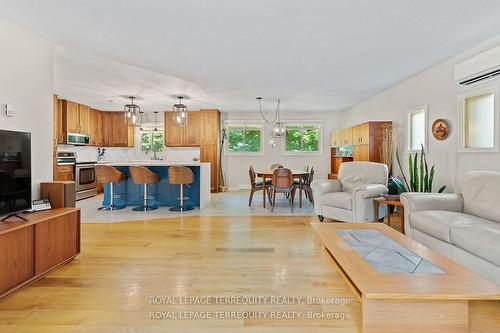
x=385, y=255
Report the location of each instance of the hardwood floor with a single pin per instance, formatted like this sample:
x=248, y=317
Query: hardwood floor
x=108, y=287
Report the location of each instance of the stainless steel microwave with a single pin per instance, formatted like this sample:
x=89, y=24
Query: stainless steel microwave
x=77, y=139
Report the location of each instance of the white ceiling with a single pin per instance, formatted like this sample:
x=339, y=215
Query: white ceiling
x=321, y=55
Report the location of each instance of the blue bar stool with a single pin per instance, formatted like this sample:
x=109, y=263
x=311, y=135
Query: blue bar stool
x=106, y=174
x=144, y=176
x=180, y=175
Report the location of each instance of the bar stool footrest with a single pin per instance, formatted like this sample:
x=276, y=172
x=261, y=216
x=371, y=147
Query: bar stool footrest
x=181, y=209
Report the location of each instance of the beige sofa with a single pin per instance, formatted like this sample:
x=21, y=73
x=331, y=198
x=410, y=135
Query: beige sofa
x=464, y=227
x=350, y=197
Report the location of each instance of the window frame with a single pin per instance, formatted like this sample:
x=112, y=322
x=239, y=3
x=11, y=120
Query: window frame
x=425, y=109
x=495, y=90
x=150, y=129
x=244, y=123
x=302, y=123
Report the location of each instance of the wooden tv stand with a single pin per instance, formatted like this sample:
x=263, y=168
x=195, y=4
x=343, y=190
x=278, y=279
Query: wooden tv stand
x=30, y=249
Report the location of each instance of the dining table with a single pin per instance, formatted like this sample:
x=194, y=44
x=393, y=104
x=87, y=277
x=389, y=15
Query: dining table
x=268, y=174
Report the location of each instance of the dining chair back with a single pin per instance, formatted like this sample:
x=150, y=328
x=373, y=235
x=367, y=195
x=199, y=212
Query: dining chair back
x=251, y=174
x=282, y=182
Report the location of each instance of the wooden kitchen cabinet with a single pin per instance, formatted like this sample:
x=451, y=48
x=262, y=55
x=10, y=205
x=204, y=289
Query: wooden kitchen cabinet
x=71, y=116
x=210, y=154
x=361, y=134
x=192, y=132
x=64, y=173
x=346, y=137
x=58, y=121
x=173, y=135
x=210, y=127
x=361, y=153
x=84, y=119
x=335, y=137
x=95, y=128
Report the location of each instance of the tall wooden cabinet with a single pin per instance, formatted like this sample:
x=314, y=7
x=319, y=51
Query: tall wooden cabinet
x=201, y=130
x=362, y=139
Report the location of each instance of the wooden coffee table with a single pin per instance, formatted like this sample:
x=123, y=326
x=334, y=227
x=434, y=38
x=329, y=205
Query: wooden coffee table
x=403, y=286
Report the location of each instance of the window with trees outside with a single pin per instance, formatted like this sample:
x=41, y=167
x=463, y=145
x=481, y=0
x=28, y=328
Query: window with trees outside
x=151, y=140
x=302, y=138
x=244, y=138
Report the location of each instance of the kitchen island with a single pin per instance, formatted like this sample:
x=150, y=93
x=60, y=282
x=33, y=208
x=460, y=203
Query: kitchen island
x=129, y=194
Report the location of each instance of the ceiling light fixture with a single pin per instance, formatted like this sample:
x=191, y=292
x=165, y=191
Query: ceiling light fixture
x=278, y=126
x=133, y=112
x=180, y=113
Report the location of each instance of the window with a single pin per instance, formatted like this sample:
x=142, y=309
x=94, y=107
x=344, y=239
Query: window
x=302, y=138
x=244, y=138
x=151, y=140
x=478, y=120
x=417, y=128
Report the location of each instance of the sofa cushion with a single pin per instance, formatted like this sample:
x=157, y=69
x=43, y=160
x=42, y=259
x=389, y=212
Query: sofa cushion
x=437, y=223
x=337, y=199
x=481, y=193
x=480, y=239
x=355, y=174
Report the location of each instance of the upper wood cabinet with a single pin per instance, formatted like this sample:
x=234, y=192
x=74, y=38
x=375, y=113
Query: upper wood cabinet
x=192, y=132
x=335, y=137
x=346, y=137
x=115, y=132
x=96, y=128
x=202, y=128
x=361, y=134
x=75, y=118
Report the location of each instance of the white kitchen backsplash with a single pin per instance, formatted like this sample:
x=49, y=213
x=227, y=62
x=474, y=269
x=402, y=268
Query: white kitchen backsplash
x=86, y=154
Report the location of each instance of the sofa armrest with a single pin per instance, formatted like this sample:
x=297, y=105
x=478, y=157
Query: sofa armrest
x=321, y=187
x=414, y=202
x=326, y=186
x=370, y=191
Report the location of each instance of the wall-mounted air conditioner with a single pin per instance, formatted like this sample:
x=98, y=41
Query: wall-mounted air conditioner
x=479, y=69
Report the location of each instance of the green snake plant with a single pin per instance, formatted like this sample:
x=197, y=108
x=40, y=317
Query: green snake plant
x=421, y=177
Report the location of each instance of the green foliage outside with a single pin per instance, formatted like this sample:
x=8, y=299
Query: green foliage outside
x=244, y=139
x=302, y=139
x=152, y=140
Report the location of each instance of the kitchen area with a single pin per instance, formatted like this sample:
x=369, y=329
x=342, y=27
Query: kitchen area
x=85, y=137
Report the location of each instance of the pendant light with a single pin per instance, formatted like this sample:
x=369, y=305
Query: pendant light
x=180, y=113
x=278, y=126
x=133, y=112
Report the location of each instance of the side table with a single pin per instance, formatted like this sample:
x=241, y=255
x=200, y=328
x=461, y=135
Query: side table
x=380, y=201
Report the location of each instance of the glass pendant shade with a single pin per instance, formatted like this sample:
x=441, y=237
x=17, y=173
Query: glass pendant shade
x=278, y=130
x=180, y=113
x=132, y=113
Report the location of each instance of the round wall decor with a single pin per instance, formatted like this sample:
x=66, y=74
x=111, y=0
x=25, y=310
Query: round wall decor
x=440, y=129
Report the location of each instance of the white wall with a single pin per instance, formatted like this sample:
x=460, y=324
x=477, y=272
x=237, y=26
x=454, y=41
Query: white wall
x=26, y=81
x=236, y=167
x=437, y=88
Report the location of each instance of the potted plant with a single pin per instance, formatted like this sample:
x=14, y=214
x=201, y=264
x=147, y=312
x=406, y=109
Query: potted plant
x=420, y=178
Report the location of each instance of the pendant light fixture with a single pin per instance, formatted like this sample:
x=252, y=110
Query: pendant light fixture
x=132, y=111
x=180, y=113
x=278, y=126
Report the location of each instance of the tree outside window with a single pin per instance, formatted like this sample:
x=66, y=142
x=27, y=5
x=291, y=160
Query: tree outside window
x=152, y=140
x=302, y=138
x=244, y=138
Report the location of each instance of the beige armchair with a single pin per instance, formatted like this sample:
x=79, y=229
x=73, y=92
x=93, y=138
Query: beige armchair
x=350, y=197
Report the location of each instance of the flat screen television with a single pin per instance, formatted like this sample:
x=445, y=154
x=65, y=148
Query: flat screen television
x=15, y=171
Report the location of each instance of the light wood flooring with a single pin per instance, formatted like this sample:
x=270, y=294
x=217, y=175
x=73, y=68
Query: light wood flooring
x=108, y=287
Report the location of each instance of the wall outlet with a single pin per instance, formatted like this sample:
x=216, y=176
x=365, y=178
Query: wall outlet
x=7, y=110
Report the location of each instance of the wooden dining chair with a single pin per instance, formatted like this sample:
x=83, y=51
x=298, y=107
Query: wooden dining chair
x=306, y=185
x=282, y=182
x=256, y=185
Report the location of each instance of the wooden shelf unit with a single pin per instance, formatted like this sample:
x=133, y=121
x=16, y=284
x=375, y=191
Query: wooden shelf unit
x=29, y=250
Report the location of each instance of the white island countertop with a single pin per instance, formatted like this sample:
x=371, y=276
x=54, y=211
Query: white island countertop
x=152, y=163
